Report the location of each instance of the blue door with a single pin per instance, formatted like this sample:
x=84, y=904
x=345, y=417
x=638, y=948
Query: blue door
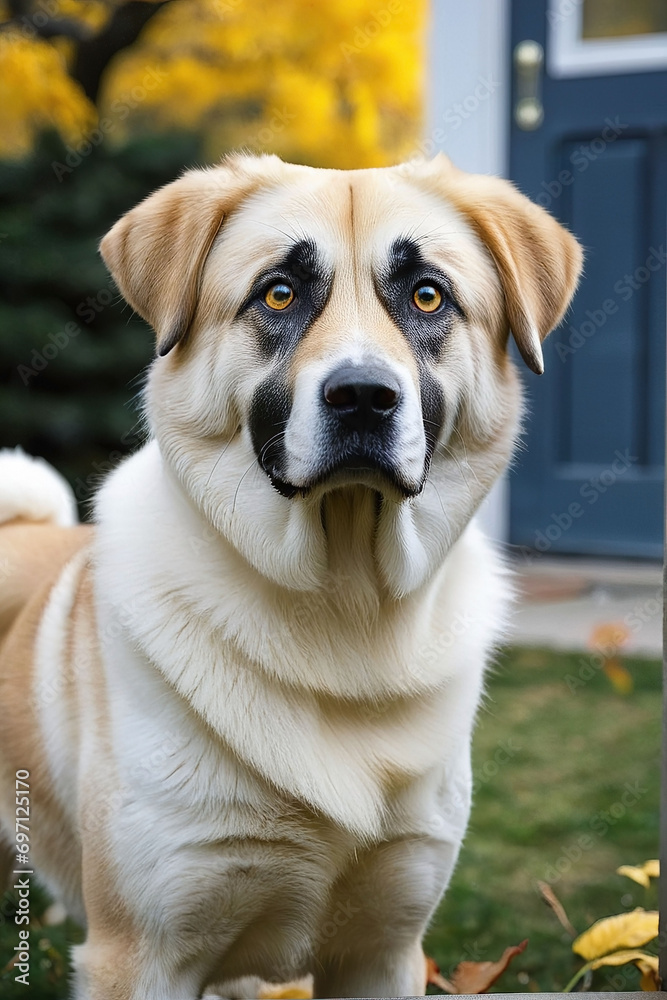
x=589, y=143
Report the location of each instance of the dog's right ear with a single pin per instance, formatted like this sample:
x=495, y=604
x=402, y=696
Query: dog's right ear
x=156, y=252
x=538, y=260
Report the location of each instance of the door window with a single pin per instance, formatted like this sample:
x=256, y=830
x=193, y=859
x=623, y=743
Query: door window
x=595, y=37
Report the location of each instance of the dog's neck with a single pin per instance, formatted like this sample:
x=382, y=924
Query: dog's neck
x=315, y=671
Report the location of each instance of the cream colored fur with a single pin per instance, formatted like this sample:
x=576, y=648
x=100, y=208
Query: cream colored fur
x=253, y=714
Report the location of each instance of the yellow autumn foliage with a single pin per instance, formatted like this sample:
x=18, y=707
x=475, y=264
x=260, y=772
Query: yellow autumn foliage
x=300, y=989
x=36, y=93
x=647, y=965
x=642, y=874
x=640, y=958
x=336, y=83
x=625, y=930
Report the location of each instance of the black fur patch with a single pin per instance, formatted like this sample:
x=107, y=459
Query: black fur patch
x=406, y=269
x=280, y=331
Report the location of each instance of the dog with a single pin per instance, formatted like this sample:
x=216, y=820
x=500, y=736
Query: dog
x=243, y=700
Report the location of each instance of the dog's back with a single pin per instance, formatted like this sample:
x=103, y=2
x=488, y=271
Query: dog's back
x=38, y=536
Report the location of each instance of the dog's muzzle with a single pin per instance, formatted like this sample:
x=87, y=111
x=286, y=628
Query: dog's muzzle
x=349, y=432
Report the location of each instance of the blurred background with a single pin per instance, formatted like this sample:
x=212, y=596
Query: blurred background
x=101, y=101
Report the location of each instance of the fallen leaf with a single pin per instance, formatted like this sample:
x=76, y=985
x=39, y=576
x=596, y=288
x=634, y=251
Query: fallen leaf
x=636, y=873
x=435, y=978
x=647, y=965
x=620, y=677
x=477, y=977
x=552, y=900
x=650, y=977
x=652, y=868
x=624, y=930
x=624, y=957
x=299, y=989
x=609, y=637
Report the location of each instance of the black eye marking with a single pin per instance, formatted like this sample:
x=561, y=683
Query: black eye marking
x=269, y=413
x=281, y=320
x=418, y=296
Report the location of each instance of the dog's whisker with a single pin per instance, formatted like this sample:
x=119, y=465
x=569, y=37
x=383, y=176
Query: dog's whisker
x=252, y=465
x=465, y=454
x=460, y=465
x=289, y=236
x=228, y=445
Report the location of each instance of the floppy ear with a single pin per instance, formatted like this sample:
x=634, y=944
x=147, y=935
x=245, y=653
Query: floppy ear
x=538, y=260
x=156, y=252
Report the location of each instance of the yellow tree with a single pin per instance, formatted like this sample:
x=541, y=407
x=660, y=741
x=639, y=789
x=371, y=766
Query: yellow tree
x=336, y=83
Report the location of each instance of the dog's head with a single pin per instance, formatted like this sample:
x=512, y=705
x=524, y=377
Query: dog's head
x=332, y=351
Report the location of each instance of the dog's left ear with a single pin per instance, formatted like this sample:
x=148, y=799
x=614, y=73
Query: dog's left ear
x=538, y=260
x=156, y=252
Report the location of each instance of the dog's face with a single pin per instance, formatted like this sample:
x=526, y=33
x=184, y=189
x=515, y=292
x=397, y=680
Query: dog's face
x=334, y=351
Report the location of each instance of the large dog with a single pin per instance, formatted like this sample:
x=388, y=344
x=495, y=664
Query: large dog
x=245, y=697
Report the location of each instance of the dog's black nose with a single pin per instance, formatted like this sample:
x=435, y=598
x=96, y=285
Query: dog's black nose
x=362, y=396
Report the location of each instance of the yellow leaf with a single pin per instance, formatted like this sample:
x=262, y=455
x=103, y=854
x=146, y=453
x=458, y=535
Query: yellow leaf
x=625, y=930
x=641, y=873
x=619, y=675
x=650, y=980
x=623, y=957
x=609, y=637
x=300, y=989
x=636, y=873
x=650, y=977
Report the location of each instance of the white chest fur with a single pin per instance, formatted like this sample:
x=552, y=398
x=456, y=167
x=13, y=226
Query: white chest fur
x=333, y=701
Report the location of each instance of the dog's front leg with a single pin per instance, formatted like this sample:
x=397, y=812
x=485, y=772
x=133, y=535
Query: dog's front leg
x=126, y=969
x=384, y=972
x=369, y=944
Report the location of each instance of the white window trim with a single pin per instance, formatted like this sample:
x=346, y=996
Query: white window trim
x=570, y=55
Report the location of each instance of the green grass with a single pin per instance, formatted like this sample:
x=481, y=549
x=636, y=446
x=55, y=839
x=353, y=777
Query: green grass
x=565, y=759
x=579, y=749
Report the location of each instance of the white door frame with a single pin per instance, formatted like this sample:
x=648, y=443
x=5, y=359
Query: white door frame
x=467, y=117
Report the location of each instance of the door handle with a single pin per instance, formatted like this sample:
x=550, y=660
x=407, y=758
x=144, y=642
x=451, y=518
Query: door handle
x=528, y=65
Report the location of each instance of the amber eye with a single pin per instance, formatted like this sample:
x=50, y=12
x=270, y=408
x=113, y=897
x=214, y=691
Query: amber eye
x=427, y=298
x=279, y=296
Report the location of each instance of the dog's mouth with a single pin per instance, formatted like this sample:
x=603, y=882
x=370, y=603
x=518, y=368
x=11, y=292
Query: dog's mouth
x=357, y=468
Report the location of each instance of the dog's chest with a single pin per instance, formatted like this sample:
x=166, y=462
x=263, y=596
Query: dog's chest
x=245, y=862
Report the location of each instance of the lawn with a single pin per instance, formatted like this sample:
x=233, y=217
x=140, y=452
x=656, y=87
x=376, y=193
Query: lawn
x=575, y=795
x=566, y=783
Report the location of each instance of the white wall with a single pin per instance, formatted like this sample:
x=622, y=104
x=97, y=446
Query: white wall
x=468, y=94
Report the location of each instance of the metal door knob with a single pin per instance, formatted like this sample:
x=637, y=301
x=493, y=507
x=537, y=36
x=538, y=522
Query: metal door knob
x=528, y=64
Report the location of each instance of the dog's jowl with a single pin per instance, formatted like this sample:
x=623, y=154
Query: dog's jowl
x=245, y=696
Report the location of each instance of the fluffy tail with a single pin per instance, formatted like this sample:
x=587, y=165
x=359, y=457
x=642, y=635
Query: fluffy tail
x=32, y=490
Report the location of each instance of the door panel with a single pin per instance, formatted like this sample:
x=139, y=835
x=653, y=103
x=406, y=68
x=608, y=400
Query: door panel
x=590, y=479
